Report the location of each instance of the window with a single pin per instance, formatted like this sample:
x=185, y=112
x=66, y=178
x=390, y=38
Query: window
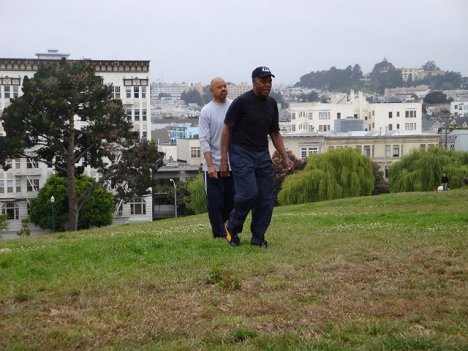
x=18, y=184
x=138, y=207
x=30, y=163
x=10, y=185
x=410, y=126
x=15, y=91
x=144, y=135
x=33, y=185
x=6, y=90
x=387, y=150
x=396, y=151
x=128, y=112
x=406, y=114
x=11, y=210
x=195, y=151
x=144, y=115
x=116, y=91
x=293, y=115
x=2, y=186
x=293, y=128
x=398, y=126
x=136, y=92
x=128, y=91
x=390, y=127
x=17, y=163
x=390, y=115
x=367, y=151
x=338, y=115
x=307, y=151
x=398, y=114
x=143, y=92
x=137, y=115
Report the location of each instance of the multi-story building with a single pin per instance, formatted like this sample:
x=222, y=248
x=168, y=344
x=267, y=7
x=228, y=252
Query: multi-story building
x=235, y=90
x=459, y=108
x=130, y=81
x=322, y=117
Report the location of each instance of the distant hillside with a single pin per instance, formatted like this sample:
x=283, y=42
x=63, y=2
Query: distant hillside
x=384, y=75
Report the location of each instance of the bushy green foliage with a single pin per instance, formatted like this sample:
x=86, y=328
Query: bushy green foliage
x=197, y=199
x=422, y=170
x=3, y=223
x=97, y=211
x=332, y=175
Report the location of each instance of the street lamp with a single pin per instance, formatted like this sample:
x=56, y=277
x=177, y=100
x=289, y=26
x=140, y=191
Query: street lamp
x=175, y=196
x=52, y=201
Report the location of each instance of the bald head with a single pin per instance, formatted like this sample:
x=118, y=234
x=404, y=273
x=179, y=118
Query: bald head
x=218, y=89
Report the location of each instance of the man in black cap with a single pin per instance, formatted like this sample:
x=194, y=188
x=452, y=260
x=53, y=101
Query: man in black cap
x=249, y=120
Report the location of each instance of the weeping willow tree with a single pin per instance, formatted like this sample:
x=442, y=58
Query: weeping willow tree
x=332, y=175
x=197, y=199
x=422, y=170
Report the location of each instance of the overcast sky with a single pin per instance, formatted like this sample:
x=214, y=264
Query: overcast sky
x=195, y=40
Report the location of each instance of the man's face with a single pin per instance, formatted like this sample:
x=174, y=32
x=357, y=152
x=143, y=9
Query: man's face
x=262, y=86
x=219, y=90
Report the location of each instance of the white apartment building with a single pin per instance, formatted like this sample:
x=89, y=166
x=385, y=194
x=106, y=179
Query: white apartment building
x=384, y=149
x=459, y=108
x=235, y=90
x=321, y=117
x=130, y=80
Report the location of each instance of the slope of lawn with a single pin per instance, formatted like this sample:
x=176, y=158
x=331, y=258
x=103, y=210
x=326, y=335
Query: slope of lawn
x=385, y=272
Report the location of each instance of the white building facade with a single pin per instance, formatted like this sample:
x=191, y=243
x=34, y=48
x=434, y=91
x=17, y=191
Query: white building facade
x=19, y=184
x=381, y=117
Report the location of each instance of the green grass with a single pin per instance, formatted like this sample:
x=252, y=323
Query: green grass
x=372, y=273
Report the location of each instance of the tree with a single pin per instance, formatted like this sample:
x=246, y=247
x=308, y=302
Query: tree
x=196, y=199
x=422, y=170
x=68, y=119
x=430, y=66
x=335, y=174
x=3, y=223
x=192, y=96
x=281, y=172
x=96, y=212
x=435, y=97
x=380, y=185
x=385, y=75
x=309, y=97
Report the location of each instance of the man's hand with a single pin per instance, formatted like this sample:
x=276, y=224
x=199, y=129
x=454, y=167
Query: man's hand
x=289, y=164
x=212, y=173
x=224, y=169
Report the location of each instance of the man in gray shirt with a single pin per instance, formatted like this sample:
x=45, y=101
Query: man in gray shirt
x=219, y=190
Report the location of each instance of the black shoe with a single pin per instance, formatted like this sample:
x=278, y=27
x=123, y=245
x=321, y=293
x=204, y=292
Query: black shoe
x=232, y=238
x=264, y=244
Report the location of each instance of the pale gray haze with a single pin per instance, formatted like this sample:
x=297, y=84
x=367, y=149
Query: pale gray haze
x=195, y=40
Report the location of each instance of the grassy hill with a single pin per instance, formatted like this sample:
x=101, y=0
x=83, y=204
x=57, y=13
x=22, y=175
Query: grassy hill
x=386, y=272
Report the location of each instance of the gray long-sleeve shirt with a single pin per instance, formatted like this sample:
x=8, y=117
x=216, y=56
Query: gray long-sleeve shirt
x=210, y=127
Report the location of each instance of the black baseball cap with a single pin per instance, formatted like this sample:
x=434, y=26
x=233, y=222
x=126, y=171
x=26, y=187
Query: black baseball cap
x=262, y=72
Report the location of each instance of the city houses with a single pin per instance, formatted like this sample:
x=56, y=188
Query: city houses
x=130, y=81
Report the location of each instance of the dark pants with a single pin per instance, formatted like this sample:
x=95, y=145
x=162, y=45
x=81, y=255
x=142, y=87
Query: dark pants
x=254, y=178
x=220, y=199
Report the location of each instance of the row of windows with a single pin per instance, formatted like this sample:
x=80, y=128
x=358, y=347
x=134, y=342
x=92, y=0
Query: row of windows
x=16, y=163
x=310, y=115
x=9, y=91
x=16, y=185
x=137, y=207
x=135, y=92
x=136, y=114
